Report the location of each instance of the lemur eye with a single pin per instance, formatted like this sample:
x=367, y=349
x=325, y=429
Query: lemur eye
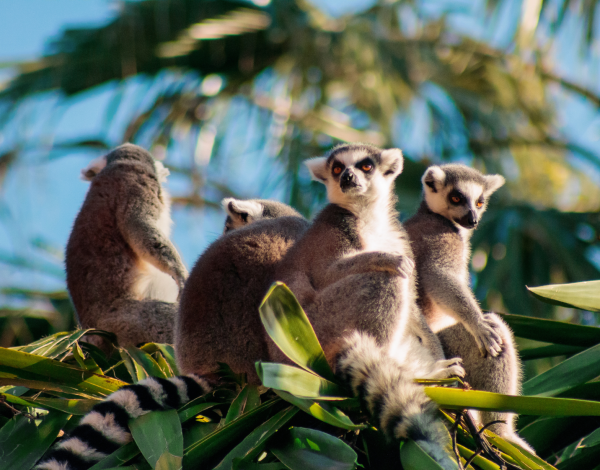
x=337, y=170
x=479, y=204
x=367, y=167
x=456, y=199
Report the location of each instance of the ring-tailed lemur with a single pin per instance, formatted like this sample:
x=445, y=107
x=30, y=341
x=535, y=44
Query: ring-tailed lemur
x=352, y=272
x=455, y=198
x=123, y=273
x=218, y=317
x=104, y=429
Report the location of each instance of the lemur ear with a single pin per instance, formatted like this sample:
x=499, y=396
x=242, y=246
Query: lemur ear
x=95, y=167
x=161, y=171
x=238, y=209
x=318, y=168
x=392, y=162
x=434, y=178
x=492, y=183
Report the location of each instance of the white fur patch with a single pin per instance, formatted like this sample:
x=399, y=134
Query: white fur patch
x=81, y=449
x=317, y=168
x=161, y=172
x=181, y=388
x=128, y=400
x=94, y=167
x=153, y=284
x=107, y=426
x=156, y=390
x=252, y=208
x=52, y=464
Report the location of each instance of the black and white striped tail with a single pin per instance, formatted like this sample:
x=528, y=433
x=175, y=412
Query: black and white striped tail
x=104, y=429
x=398, y=406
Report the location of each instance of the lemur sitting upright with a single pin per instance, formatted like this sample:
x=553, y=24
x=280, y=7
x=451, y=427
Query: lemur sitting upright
x=123, y=273
x=352, y=272
x=455, y=198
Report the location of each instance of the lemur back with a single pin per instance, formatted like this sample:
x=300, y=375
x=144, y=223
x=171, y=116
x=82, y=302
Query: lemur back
x=218, y=318
x=455, y=198
x=123, y=273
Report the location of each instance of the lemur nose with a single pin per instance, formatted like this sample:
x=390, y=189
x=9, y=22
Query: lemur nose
x=347, y=176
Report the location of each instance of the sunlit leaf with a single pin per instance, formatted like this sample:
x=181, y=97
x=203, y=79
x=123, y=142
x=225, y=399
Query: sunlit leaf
x=287, y=325
x=583, y=295
x=157, y=433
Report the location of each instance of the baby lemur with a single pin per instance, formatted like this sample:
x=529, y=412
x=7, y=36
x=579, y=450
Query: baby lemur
x=123, y=273
x=455, y=198
x=352, y=272
x=218, y=317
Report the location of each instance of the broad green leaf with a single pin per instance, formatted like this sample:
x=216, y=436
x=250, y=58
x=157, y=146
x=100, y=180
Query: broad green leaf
x=298, y=382
x=253, y=445
x=188, y=413
x=552, y=331
x=136, y=371
x=287, y=325
x=168, y=461
x=583, y=295
x=247, y=400
x=551, y=350
x=309, y=449
x=48, y=387
x=166, y=351
x=22, y=443
x=414, y=457
x=452, y=398
x=574, y=371
x=480, y=461
x=157, y=433
x=21, y=365
x=323, y=411
x=203, y=450
x=86, y=363
x=118, y=457
x=146, y=362
x=73, y=407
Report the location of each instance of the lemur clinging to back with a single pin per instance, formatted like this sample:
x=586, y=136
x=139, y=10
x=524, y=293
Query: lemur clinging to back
x=123, y=273
x=454, y=199
x=352, y=272
x=218, y=317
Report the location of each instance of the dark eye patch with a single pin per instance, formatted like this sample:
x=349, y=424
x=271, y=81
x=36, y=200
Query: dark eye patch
x=456, y=197
x=366, y=161
x=337, y=168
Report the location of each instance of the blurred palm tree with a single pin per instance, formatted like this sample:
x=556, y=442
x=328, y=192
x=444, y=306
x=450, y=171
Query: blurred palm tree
x=219, y=82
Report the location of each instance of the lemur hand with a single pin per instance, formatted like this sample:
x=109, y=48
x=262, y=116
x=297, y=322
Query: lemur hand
x=487, y=337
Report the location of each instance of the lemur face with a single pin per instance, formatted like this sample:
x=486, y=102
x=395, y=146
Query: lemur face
x=459, y=193
x=355, y=172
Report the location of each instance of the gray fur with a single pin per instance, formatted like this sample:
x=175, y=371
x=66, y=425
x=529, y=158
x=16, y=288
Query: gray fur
x=218, y=319
x=352, y=271
x=440, y=234
x=119, y=239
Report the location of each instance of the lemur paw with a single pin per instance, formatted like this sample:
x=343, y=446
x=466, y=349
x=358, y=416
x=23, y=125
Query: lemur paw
x=446, y=368
x=488, y=337
x=404, y=266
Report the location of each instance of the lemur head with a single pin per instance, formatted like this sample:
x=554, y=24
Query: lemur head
x=244, y=212
x=357, y=173
x=125, y=153
x=458, y=192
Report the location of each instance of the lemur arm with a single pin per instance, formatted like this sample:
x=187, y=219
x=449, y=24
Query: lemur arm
x=369, y=262
x=455, y=297
x=137, y=223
